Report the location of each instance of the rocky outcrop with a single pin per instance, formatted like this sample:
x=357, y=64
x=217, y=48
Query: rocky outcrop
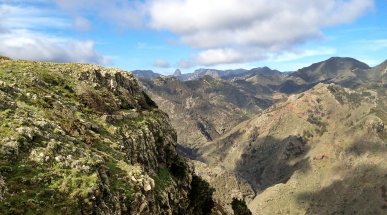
x=82, y=139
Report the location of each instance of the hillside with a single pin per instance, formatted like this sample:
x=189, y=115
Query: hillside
x=226, y=74
x=202, y=110
x=321, y=152
x=83, y=139
x=264, y=156
x=345, y=71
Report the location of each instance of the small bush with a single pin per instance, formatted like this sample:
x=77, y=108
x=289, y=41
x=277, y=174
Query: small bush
x=99, y=100
x=200, y=197
x=162, y=179
x=179, y=168
x=239, y=207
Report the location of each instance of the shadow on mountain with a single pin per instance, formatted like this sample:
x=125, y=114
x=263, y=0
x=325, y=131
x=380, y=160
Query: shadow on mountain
x=290, y=86
x=188, y=152
x=361, y=191
x=363, y=147
x=269, y=161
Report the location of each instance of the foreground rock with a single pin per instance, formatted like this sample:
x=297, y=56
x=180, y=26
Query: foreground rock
x=82, y=139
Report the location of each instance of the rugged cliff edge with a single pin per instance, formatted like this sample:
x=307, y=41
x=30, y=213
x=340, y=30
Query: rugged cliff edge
x=82, y=139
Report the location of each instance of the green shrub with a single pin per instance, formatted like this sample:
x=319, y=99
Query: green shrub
x=239, y=207
x=179, y=168
x=162, y=180
x=200, y=197
x=99, y=100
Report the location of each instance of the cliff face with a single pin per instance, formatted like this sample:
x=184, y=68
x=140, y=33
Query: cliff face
x=82, y=139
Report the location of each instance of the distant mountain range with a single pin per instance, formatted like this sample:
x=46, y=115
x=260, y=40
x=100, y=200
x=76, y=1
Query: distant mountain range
x=200, y=73
x=215, y=100
x=285, y=141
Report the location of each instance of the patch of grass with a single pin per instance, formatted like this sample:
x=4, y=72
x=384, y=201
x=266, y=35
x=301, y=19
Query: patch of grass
x=75, y=183
x=119, y=179
x=162, y=179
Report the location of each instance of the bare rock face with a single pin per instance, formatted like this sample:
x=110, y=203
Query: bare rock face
x=82, y=139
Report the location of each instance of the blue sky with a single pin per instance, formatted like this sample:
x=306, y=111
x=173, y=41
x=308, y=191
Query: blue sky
x=163, y=35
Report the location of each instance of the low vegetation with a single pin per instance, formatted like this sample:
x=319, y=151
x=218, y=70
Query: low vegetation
x=239, y=207
x=82, y=139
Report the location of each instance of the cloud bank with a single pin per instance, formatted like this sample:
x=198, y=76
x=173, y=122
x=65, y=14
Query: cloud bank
x=229, y=31
x=232, y=31
x=219, y=31
x=161, y=63
x=23, y=35
x=27, y=46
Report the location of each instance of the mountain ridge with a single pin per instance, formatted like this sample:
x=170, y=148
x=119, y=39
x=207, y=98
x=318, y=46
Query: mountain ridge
x=286, y=139
x=83, y=139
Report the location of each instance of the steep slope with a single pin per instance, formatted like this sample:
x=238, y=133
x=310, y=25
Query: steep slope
x=321, y=152
x=344, y=71
x=203, y=109
x=214, y=101
x=82, y=139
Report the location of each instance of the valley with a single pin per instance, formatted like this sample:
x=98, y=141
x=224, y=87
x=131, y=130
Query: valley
x=285, y=142
x=193, y=107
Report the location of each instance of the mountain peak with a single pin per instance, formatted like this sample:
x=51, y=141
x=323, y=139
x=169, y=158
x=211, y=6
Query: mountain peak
x=145, y=74
x=346, y=60
x=177, y=72
x=330, y=69
x=382, y=65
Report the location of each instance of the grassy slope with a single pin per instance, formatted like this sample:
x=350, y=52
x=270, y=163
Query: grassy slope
x=55, y=142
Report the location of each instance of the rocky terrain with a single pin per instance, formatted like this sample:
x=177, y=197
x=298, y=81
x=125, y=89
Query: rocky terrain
x=297, y=154
x=318, y=147
x=82, y=139
x=202, y=110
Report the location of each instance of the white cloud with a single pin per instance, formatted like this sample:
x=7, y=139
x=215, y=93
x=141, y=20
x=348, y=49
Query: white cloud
x=82, y=24
x=161, y=63
x=296, y=55
x=121, y=13
x=225, y=55
x=28, y=17
x=229, y=31
x=221, y=31
x=24, y=35
x=30, y=46
x=185, y=64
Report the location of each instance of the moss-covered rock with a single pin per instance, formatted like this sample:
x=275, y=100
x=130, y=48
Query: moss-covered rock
x=82, y=139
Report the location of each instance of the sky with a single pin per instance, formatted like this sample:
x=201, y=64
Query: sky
x=163, y=35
